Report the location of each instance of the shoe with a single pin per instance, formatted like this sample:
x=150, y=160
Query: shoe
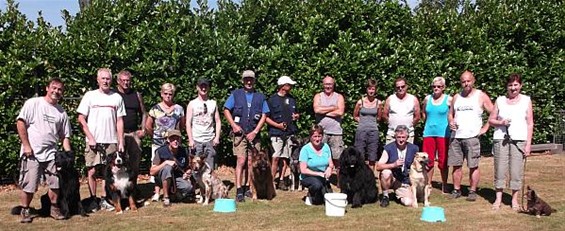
x=248, y=192
x=455, y=194
x=155, y=197
x=516, y=208
x=26, y=217
x=166, y=202
x=56, y=213
x=307, y=201
x=472, y=196
x=240, y=198
x=105, y=205
x=385, y=202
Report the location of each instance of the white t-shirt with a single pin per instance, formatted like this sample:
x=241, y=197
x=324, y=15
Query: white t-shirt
x=46, y=125
x=517, y=113
x=401, y=112
x=102, y=111
x=468, y=115
x=203, y=123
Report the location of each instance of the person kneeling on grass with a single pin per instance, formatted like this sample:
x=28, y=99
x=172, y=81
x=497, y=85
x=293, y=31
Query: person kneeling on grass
x=316, y=167
x=171, y=168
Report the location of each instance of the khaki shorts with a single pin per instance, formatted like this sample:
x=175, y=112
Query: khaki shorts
x=240, y=145
x=31, y=172
x=460, y=149
x=92, y=158
x=281, y=147
x=336, y=144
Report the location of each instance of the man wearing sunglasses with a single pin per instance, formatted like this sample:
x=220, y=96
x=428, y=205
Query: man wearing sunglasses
x=401, y=108
x=203, y=123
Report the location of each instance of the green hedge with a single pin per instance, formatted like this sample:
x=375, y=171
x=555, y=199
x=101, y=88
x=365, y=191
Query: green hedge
x=168, y=41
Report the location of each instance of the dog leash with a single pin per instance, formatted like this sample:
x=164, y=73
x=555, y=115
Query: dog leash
x=524, y=160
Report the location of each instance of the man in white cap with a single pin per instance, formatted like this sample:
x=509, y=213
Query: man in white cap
x=245, y=109
x=281, y=123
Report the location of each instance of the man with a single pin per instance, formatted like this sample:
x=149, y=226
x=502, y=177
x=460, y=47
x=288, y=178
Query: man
x=170, y=166
x=245, y=109
x=401, y=108
x=465, y=119
x=329, y=108
x=395, y=165
x=133, y=126
x=282, y=127
x=41, y=124
x=203, y=123
x=100, y=114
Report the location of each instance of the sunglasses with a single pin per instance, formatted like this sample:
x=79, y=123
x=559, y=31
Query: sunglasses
x=400, y=87
x=205, y=109
x=437, y=86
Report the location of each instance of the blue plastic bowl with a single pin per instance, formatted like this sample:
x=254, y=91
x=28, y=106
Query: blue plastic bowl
x=224, y=205
x=433, y=214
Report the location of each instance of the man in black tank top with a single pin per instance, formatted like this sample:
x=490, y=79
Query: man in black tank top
x=133, y=125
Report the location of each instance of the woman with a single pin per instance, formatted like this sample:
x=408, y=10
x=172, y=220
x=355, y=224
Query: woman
x=513, y=120
x=164, y=116
x=367, y=112
x=316, y=166
x=436, y=129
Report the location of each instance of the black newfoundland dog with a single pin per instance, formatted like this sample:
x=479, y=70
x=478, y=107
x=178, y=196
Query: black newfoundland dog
x=356, y=179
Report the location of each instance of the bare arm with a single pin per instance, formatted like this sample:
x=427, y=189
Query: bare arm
x=382, y=165
x=356, y=110
x=272, y=123
x=143, y=115
x=386, y=109
x=149, y=126
x=87, y=133
x=488, y=106
x=379, y=110
x=319, y=109
x=530, y=123
x=22, y=132
x=120, y=128
x=182, y=123
x=218, y=126
x=154, y=170
x=189, y=125
x=416, y=111
x=493, y=117
x=235, y=128
x=424, y=104
x=451, y=115
x=340, y=110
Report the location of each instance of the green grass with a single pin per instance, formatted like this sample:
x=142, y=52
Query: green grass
x=545, y=174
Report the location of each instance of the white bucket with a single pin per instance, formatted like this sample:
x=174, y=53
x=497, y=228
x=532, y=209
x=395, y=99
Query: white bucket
x=335, y=204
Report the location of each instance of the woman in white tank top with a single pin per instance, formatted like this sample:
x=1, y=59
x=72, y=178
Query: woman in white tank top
x=512, y=118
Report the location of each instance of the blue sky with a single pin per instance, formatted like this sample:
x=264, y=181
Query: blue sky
x=51, y=9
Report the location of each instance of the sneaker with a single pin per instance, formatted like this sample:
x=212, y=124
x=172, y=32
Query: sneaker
x=56, y=213
x=472, y=196
x=247, y=191
x=166, y=202
x=385, y=202
x=455, y=194
x=307, y=201
x=105, y=205
x=155, y=197
x=26, y=217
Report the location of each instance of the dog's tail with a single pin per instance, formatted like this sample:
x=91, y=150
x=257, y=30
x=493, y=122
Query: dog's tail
x=17, y=210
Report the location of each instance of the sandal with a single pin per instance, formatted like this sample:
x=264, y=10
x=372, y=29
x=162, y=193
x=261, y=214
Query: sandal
x=516, y=208
x=495, y=206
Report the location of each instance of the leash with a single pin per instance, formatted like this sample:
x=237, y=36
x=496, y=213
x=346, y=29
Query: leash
x=508, y=139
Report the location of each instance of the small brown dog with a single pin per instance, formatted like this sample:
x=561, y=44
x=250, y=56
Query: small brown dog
x=419, y=179
x=261, y=177
x=536, y=206
x=211, y=187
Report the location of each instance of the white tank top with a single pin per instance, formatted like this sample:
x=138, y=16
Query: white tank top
x=518, y=129
x=468, y=115
x=401, y=112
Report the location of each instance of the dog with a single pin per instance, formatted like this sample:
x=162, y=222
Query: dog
x=211, y=187
x=294, y=163
x=262, y=186
x=356, y=179
x=119, y=183
x=536, y=206
x=68, y=199
x=419, y=179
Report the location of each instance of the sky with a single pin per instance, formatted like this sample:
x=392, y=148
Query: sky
x=51, y=9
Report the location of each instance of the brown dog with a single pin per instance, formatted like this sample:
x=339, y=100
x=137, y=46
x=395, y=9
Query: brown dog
x=419, y=179
x=536, y=206
x=261, y=178
x=211, y=187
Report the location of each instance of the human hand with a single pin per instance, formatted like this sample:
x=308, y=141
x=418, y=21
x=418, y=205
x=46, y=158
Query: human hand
x=236, y=129
x=453, y=126
x=295, y=116
x=190, y=143
x=140, y=133
x=120, y=148
x=170, y=163
x=328, y=173
x=399, y=162
x=505, y=122
x=92, y=144
x=28, y=152
x=251, y=136
x=527, y=150
x=216, y=141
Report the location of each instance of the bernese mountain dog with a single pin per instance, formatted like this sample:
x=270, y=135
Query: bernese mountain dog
x=119, y=183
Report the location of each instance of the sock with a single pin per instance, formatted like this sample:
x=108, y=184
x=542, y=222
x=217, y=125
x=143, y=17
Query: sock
x=385, y=194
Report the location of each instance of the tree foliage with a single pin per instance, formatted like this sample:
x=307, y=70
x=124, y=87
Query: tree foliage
x=169, y=41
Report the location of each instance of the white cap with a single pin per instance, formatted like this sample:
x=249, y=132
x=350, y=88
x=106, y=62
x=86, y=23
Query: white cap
x=285, y=80
x=248, y=74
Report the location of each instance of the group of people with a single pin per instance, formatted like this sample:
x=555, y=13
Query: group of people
x=116, y=121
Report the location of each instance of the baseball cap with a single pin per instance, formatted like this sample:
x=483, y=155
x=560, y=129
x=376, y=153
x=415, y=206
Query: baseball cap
x=173, y=132
x=203, y=81
x=285, y=80
x=248, y=74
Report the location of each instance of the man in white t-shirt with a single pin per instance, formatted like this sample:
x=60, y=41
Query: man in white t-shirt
x=100, y=116
x=401, y=108
x=203, y=123
x=41, y=124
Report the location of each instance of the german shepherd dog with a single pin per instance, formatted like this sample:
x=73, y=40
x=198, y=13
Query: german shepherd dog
x=262, y=186
x=119, y=182
x=419, y=179
x=211, y=187
x=536, y=206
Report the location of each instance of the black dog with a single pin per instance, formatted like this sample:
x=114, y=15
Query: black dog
x=356, y=179
x=536, y=206
x=297, y=145
x=69, y=189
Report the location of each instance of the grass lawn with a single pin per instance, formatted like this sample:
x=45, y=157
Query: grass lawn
x=546, y=174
